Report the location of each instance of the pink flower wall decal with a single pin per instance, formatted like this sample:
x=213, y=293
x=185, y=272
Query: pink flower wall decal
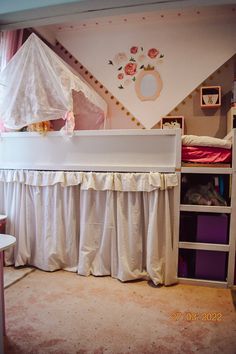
x=120, y=76
x=133, y=50
x=153, y=53
x=120, y=58
x=130, y=69
x=129, y=65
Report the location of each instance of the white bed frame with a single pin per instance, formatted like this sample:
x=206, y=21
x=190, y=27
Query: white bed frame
x=105, y=150
x=102, y=150
x=118, y=151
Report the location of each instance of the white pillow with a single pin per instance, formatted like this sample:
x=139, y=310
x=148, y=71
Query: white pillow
x=194, y=140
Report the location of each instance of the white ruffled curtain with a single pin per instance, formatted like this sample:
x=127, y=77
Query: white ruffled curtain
x=118, y=224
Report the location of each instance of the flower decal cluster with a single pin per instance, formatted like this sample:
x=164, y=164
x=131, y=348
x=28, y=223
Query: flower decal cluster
x=127, y=66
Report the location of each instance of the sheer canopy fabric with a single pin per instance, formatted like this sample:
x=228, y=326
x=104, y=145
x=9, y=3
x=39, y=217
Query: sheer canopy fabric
x=36, y=85
x=118, y=224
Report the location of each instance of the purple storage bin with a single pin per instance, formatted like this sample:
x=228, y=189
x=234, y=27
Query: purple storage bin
x=211, y=265
x=182, y=267
x=212, y=228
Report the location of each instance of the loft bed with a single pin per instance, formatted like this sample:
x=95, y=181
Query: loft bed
x=93, y=203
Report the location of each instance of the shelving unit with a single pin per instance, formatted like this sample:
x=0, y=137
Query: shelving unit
x=173, y=122
x=231, y=119
x=210, y=96
x=207, y=234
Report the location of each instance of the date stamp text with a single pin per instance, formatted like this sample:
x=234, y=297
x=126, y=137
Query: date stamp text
x=196, y=316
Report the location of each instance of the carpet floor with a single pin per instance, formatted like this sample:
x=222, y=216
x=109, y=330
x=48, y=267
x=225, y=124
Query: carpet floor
x=63, y=313
x=12, y=274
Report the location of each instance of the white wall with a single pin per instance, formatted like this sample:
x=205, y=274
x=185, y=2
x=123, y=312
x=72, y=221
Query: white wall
x=194, y=46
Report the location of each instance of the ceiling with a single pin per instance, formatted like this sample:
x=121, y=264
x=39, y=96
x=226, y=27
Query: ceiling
x=23, y=14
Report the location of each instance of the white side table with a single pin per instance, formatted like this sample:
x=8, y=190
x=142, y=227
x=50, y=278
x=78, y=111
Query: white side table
x=6, y=241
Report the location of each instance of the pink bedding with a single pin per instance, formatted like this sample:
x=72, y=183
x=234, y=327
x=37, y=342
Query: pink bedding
x=205, y=154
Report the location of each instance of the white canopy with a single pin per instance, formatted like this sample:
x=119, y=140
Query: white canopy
x=37, y=85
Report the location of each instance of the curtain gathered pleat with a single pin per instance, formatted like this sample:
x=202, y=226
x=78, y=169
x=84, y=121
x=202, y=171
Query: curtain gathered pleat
x=118, y=224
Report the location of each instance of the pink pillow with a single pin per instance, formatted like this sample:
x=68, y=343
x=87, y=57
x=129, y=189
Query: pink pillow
x=87, y=115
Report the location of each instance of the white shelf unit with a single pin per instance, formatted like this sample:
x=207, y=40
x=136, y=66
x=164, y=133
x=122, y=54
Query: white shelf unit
x=210, y=96
x=206, y=208
x=231, y=119
x=166, y=122
x=230, y=211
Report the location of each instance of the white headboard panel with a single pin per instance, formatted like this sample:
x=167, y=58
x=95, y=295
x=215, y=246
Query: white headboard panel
x=103, y=150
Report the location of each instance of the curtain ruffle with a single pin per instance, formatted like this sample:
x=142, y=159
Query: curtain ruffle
x=100, y=181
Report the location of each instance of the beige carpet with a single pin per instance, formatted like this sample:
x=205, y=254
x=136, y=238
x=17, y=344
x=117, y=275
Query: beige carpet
x=63, y=313
x=12, y=274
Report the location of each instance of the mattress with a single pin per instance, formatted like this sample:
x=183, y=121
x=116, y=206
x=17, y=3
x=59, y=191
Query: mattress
x=206, y=154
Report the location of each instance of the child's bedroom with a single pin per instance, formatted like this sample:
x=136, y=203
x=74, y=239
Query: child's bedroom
x=117, y=176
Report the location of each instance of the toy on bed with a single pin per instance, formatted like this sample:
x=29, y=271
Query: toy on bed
x=41, y=127
x=206, y=150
